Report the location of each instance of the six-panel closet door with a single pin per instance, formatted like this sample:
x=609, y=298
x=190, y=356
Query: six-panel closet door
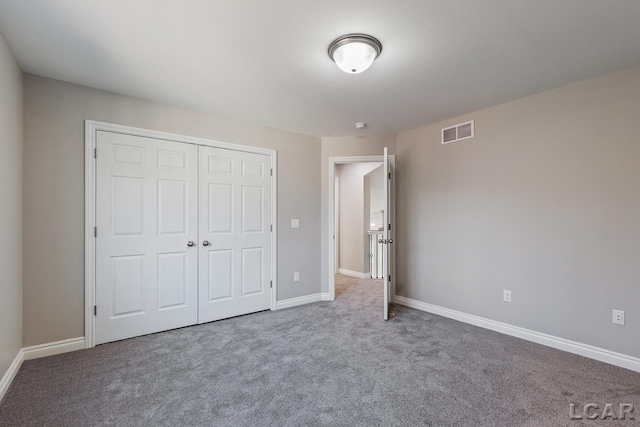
x=235, y=237
x=183, y=235
x=146, y=215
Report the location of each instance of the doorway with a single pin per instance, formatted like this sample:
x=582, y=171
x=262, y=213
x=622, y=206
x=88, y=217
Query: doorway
x=358, y=227
x=359, y=239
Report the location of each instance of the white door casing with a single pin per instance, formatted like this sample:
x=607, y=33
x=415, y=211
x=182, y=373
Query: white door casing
x=146, y=213
x=235, y=233
x=336, y=235
x=333, y=162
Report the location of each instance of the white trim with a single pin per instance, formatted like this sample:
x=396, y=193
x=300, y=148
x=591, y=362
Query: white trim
x=53, y=348
x=36, y=352
x=274, y=233
x=8, y=377
x=325, y=296
x=333, y=161
x=91, y=129
x=354, y=273
x=294, y=302
x=336, y=210
x=586, y=350
x=155, y=134
x=89, y=224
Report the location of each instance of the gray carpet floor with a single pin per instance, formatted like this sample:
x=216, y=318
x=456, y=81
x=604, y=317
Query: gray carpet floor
x=328, y=363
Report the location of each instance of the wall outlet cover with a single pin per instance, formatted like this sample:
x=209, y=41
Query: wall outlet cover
x=506, y=296
x=296, y=276
x=295, y=223
x=618, y=317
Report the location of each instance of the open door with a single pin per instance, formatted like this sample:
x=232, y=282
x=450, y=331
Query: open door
x=386, y=236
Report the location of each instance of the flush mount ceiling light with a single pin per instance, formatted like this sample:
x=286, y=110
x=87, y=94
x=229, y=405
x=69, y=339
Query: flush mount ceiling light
x=354, y=53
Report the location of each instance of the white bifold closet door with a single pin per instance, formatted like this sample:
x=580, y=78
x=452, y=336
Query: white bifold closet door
x=146, y=213
x=235, y=236
x=183, y=235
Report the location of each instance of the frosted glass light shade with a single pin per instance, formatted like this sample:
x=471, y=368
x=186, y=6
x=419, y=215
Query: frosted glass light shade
x=354, y=58
x=354, y=53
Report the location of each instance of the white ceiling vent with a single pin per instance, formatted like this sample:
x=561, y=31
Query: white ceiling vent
x=458, y=132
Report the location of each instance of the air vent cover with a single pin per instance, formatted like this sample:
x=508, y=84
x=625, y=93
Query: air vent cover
x=458, y=132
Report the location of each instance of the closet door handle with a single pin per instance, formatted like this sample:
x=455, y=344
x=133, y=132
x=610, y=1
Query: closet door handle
x=205, y=243
x=190, y=243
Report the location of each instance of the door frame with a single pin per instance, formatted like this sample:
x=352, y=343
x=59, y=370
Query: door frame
x=336, y=210
x=333, y=162
x=90, y=170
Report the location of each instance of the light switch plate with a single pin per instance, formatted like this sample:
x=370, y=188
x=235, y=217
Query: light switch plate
x=295, y=223
x=296, y=276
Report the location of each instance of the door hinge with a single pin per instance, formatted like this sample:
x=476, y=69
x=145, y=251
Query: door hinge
x=389, y=277
x=95, y=231
x=389, y=175
x=272, y=228
x=271, y=172
x=95, y=310
x=271, y=284
x=389, y=227
x=95, y=153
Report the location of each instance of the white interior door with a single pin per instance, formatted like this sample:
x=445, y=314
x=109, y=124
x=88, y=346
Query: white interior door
x=235, y=233
x=146, y=213
x=386, y=235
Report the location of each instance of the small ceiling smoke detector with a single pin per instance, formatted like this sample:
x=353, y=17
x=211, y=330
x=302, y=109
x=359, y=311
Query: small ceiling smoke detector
x=361, y=125
x=354, y=53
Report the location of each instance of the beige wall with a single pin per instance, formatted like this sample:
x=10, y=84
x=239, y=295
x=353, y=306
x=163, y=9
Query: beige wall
x=10, y=207
x=341, y=147
x=544, y=201
x=54, y=195
x=354, y=213
x=377, y=197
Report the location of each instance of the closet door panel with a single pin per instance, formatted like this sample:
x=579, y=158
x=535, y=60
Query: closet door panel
x=146, y=213
x=235, y=235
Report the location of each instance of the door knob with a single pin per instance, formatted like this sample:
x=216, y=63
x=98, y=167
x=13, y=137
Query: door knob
x=205, y=243
x=380, y=241
x=190, y=243
x=390, y=241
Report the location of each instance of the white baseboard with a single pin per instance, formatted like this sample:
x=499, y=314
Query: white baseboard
x=53, y=348
x=586, y=350
x=294, y=302
x=8, y=377
x=356, y=274
x=307, y=299
x=36, y=352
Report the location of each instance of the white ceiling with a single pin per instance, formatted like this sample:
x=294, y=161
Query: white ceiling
x=265, y=61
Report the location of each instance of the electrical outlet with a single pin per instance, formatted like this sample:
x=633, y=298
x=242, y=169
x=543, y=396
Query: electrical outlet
x=618, y=317
x=295, y=223
x=296, y=276
x=506, y=296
